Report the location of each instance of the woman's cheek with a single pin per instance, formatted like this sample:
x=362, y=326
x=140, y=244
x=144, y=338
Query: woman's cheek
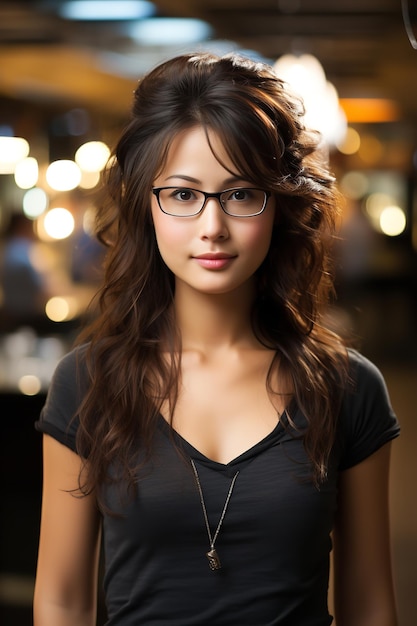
x=172, y=240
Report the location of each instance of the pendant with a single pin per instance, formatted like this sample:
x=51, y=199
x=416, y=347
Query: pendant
x=213, y=559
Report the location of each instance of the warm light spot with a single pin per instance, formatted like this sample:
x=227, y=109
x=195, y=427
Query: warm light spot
x=89, y=179
x=351, y=142
x=392, y=221
x=354, y=185
x=26, y=173
x=385, y=215
x=92, y=156
x=12, y=150
x=58, y=223
x=57, y=309
x=375, y=204
x=370, y=110
x=371, y=149
x=61, y=309
x=29, y=385
x=63, y=175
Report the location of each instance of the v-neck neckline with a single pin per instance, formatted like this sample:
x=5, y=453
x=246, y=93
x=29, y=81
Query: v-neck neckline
x=278, y=431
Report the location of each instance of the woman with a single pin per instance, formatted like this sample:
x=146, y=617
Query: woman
x=208, y=423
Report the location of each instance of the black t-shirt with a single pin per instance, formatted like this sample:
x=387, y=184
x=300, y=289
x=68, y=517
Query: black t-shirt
x=274, y=542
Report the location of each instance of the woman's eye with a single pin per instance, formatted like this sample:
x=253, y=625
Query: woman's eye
x=240, y=194
x=183, y=195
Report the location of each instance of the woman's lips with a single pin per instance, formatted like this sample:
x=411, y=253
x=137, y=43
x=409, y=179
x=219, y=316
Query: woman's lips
x=214, y=261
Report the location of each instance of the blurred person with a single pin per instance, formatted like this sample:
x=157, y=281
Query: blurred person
x=208, y=430
x=23, y=286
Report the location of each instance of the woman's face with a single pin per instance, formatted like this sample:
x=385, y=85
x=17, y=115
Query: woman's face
x=211, y=252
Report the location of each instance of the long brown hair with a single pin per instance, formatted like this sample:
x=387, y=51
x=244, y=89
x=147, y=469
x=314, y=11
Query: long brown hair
x=261, y=126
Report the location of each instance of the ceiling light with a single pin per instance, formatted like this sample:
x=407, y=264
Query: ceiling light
x=166, y=31
x=102, y=10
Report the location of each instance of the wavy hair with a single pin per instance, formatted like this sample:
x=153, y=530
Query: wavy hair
x=261, y=126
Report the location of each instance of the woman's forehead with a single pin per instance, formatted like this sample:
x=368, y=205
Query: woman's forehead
x=195, y=149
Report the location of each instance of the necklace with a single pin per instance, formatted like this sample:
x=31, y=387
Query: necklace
x=212, y=555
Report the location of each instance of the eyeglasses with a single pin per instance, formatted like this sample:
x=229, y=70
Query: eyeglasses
x=186, y=202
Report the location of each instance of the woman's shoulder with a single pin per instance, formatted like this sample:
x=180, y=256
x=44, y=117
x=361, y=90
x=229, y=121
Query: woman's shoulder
x=65, y=394
x=364, y=375
x=361, y=363
x=71, y=373
x=367, y=419
x=73, y=359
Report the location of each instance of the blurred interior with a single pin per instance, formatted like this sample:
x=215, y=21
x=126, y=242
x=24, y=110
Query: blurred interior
x=66, y=82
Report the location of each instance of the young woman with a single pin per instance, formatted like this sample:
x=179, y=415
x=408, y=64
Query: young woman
x=209, y=431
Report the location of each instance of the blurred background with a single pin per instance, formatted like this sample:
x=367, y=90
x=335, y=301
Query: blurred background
x=67, y=73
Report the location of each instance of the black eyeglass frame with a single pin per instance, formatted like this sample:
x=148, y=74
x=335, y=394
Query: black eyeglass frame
x=267, y=194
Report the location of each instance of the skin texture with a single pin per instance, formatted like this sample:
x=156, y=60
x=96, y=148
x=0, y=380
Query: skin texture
x=221, y=353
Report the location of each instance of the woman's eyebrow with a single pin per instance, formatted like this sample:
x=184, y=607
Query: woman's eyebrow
x=227, y=181
x=189, y=179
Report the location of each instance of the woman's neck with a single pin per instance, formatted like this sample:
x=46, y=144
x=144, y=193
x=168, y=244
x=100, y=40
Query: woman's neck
x=212, y=322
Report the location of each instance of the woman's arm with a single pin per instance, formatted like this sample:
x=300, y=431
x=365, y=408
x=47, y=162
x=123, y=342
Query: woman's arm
x=363, y=586
x=66, y=579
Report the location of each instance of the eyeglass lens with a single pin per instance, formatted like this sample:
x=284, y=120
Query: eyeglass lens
x=183, y=201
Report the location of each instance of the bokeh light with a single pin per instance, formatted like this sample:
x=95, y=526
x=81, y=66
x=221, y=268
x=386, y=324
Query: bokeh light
x=29, y=385
x=35, y=202
x=63, y=175
x=61, y=309
x=58, y=223
x=385, y=214
x=26, y=173
x=12, y=150
x=351, y=142
x=89, y=179
x=392, y=221
x=354, y=185
x=92, y=156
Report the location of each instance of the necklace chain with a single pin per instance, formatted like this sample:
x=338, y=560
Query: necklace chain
x=212, y=555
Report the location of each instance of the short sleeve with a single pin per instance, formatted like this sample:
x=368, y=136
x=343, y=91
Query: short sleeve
x=367, y=420
x=58, y=417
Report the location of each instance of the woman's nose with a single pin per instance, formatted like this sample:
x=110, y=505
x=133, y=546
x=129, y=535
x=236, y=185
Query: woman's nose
x=213, y=221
